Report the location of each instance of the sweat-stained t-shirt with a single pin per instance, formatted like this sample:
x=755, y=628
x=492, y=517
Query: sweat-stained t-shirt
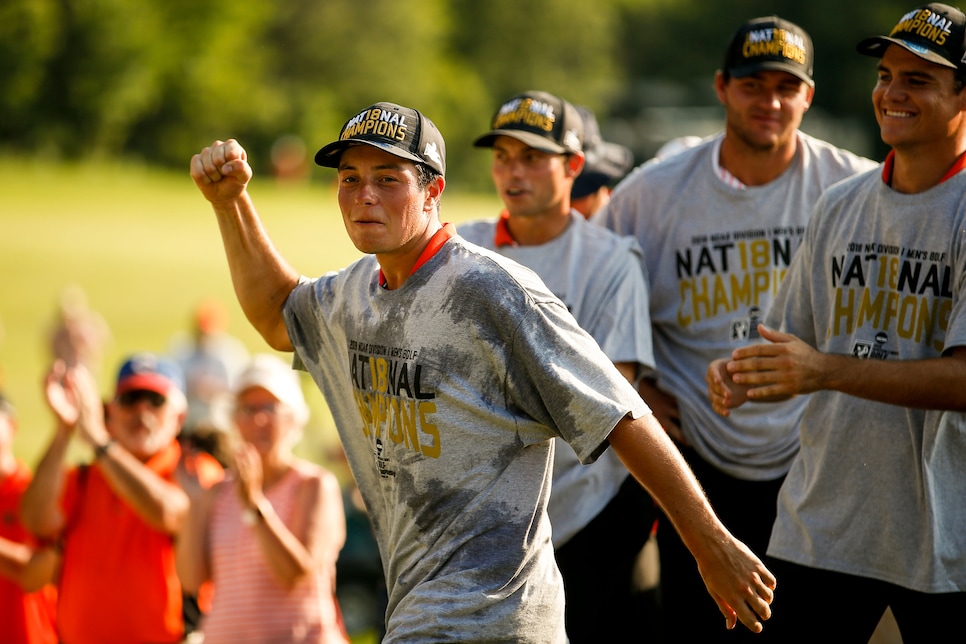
x=446, y=393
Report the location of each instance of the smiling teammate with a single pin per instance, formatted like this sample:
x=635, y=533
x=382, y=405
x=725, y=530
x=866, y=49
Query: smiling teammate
x=718, y=224
x=873, y=328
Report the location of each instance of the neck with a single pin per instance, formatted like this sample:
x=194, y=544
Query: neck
x=274, y=467
x=539, y=229
x=915, y=171
x=754, y=166
x=398, y=265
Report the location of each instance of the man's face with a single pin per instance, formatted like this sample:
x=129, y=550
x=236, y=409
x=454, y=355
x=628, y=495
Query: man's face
x=144, y=422
x=915, y=101
x=384, y=209
x=763, y=111
x=531, y=182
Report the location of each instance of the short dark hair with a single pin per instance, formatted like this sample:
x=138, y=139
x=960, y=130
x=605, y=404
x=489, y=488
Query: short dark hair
x=426, y=175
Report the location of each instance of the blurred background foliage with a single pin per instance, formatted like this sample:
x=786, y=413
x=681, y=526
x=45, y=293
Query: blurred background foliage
x=84, y=79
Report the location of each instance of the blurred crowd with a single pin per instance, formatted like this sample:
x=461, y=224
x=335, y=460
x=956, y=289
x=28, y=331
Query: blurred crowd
x=191, y=484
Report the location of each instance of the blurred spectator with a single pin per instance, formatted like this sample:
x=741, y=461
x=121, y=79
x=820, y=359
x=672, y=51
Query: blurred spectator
x=268, y=536
x=117, y=516
x=290, y=160
x=79, y=334
x=605, y=164
x=28, y=599
x=211, y=360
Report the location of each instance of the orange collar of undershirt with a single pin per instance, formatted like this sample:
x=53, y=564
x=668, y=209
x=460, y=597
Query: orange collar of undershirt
x=502, y=236
x=436, y=242
x=890, y=161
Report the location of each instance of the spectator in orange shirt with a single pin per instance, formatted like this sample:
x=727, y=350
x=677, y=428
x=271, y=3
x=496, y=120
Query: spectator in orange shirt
x=27, y=598
x=117, y=517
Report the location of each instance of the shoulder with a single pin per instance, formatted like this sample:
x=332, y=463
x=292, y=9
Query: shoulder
x=659, y=171
x=315, y=483
x=477, y=266
x=603, y=245
x=478, y=231
x=835, y=157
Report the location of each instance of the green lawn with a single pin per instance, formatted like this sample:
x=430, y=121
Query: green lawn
x=145, y=248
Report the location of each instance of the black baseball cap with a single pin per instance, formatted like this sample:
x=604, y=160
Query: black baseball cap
x=400, y=131
x=541, y=120
x=605, y=162
x=935, y=32
x=770, y=43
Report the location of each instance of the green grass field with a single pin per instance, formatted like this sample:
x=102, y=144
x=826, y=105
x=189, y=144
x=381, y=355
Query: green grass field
x=145, y=247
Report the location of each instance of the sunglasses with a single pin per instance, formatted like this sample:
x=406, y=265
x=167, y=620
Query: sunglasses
x=135, y=396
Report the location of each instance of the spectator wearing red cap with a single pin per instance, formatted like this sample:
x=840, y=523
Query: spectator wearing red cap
x=117, y=516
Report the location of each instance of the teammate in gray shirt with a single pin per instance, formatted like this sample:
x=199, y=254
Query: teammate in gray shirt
x=719, y=224
x=536, y=155
x=872, y=327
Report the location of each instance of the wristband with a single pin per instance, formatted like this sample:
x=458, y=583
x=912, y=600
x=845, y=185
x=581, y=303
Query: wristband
x=101, y=450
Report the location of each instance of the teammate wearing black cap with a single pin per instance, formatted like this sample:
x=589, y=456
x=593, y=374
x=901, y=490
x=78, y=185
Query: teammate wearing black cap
x=870, y=322
x=719, y=224
x=597, y=274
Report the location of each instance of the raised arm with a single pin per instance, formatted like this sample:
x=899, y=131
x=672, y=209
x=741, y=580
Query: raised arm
x=737, y=580
x=317, y=533
x=160, y=503
x=262, y=278
x=40, y=509
x=192, y=552
x=787, y=366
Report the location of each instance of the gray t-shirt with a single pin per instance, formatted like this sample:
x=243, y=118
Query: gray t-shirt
x=715, y=256
x=878, y=490
x=598, y=275
x=446, y=394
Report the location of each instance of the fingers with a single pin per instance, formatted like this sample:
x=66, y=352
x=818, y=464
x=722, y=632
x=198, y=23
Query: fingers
x=219, y=160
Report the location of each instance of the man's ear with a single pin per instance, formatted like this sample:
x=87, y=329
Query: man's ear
x=433, y=192
x=575, y=163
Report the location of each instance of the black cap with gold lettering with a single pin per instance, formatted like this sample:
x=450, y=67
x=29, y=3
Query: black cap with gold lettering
x=935, y=32
x=400, y=131
x=541, y=120
x=770, y=43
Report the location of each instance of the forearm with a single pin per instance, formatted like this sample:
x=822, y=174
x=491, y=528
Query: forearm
x=648, y=453
x=191, y=546
x=161, y=504
x=40, y=505
x=27, y=567
x=937, y=383
x=286, y=556
x=261, y=277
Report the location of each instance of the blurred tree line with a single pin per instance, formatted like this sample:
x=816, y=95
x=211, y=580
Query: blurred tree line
x=157, y=81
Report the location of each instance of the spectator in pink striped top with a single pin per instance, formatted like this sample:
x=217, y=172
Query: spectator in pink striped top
x=269, y=535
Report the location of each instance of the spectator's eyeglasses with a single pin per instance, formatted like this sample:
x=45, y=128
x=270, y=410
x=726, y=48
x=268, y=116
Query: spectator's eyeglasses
x=271, y=410
x=135, y=396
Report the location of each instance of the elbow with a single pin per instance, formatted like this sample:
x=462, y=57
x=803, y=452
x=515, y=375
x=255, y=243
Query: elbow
x=40, y=524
